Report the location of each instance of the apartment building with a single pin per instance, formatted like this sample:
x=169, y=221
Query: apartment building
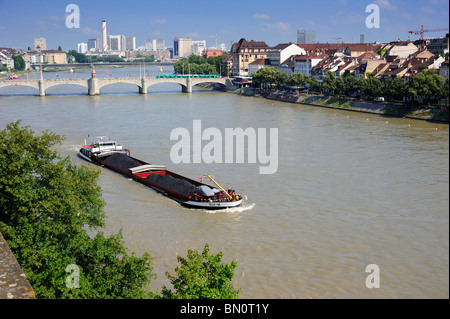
x=55, y=57
x=280, y=53
x=305, y=63
x=245, y=52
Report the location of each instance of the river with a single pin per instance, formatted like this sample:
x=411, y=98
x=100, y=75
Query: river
x=351, y=189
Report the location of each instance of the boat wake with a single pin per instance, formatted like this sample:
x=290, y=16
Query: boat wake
x=241, y=208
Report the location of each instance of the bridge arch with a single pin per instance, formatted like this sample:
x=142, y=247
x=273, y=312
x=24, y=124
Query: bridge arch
x=210, y=81
x=13, y=84
x=103, y=84
x=182, y=83
x=68, y=84
x=121, y=83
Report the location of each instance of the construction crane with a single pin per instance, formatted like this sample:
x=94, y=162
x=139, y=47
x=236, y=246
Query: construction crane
x=215, y=36
x=231, y=43
x=422, y=31
x=337, y=39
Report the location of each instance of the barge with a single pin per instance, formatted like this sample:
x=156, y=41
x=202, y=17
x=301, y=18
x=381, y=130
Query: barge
x=187, y=192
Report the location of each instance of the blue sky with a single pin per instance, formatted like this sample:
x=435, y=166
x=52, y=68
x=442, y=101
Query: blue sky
x=270, y=21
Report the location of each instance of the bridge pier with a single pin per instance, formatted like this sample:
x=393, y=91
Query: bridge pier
x=41, y=88
x=93, y=86
x=188, y=87
x=143, y=87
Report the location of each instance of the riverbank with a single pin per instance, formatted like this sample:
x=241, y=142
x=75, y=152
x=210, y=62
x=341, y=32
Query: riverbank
x=354, y=105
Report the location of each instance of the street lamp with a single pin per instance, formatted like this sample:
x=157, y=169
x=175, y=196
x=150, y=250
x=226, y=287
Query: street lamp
x=40, y=60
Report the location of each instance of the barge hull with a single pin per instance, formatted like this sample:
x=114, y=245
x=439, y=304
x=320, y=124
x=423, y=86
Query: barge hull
x=182, y=199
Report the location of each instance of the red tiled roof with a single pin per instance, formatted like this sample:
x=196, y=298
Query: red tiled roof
x=310, y=57
x=250, y=44
x=261, y=62
x=363, y=46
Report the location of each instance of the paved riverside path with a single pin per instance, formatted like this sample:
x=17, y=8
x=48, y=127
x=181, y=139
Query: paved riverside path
x=13, y=283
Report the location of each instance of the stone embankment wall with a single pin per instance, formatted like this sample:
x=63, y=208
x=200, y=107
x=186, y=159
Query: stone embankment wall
x=381, y=108
x=13, y=283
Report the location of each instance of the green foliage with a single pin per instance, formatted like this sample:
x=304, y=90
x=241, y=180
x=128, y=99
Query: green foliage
x=265, y=77
x=145, y=58
x=217, y=63
x=202, y=276
x=298, y=79
x=197, y=65
x=47, y=207
x=82, y=58
x=381, y=52
x=315, y=85
x=19, y=63
x=79, y=57
x=427, y=83
x=328, y=84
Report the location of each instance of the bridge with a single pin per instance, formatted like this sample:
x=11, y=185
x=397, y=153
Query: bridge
x=94, y=84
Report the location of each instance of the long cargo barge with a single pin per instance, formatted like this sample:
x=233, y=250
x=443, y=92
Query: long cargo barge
x=185, y=191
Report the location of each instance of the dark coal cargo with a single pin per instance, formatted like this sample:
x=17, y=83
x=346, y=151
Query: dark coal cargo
x=122, y=161
x=178, y=185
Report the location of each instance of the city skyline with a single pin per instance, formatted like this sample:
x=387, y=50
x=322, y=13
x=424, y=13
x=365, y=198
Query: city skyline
x=203, y=20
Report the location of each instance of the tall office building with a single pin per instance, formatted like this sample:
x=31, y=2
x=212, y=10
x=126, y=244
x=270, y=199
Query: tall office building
x=362, y=38
x=82, y=47
x=92, y=45
x=159, y=44
x=306, y=36
x=182, y=47
x=40, y=44
x=130, y=43
x=198, y=47
x=156, y=44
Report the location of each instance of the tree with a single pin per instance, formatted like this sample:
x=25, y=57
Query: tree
x=198, y=65
x=297, y=79
x=361, y=86
x=445, y=89
x=59, y=48
x=217, y=63
x=395, y=88
x=374, y=87
x=281, y=79
x=265, y=77
x=315, y=85
x=79, y=57
x=427, y=83
x=47, y=207
x=328, y=84
x=340, y=85
x=349, y=84
x=19, y=63
x=202, y=276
